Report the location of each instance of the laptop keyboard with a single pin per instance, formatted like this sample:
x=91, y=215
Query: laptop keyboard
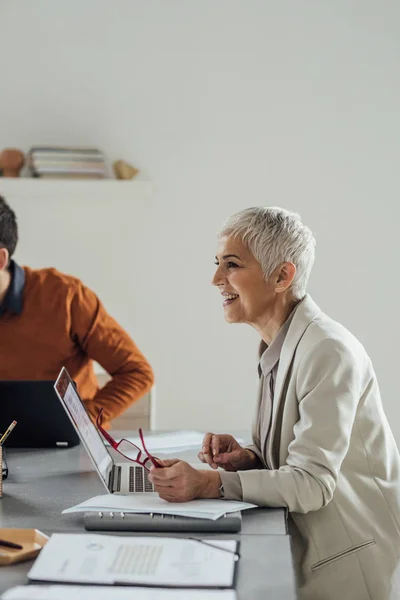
x=138, y=480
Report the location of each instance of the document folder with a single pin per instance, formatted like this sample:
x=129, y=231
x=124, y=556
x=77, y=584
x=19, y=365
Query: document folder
x=121, y=521
x=137, y=561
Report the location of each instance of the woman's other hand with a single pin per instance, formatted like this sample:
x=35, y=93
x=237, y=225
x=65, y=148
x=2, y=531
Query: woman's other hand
x=222, y=450
x=177, y=481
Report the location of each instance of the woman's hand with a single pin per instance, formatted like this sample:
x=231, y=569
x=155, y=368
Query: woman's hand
x=177, y=481
x=222, y=450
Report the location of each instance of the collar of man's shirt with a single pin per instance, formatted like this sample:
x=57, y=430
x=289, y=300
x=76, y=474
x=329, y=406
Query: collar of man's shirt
x=270, y=354
x=13, y=299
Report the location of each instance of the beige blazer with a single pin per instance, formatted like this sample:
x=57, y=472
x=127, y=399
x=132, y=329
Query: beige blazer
x=332, y=461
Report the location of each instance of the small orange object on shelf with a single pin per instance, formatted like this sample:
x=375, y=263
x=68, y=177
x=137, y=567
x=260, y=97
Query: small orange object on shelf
x=11, y=162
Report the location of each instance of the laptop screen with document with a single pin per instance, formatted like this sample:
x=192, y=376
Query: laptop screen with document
x=91, y=439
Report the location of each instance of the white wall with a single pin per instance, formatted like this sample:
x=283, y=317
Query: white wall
x=226, y=104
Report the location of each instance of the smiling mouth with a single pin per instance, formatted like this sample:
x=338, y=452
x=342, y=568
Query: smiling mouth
x=229, y=298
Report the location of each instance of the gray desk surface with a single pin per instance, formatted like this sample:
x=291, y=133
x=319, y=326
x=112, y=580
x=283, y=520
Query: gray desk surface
x=44, y=482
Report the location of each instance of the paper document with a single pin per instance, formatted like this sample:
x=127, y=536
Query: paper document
x=152, y=503
x=66, y=592
x=169, y=442
x=154, y=561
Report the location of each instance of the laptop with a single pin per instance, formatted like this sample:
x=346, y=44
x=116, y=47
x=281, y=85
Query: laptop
x=117, y=477
x=41, y=421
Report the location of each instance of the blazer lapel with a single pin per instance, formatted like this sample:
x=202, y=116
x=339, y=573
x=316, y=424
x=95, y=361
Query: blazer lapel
x=306, y=312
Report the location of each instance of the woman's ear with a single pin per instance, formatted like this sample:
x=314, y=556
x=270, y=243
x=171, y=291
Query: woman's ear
x=285, y=276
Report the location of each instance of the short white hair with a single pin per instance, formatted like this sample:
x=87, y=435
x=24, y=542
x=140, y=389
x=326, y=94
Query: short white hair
x=274, y=236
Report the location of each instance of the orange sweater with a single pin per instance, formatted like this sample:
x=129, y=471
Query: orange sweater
x=63, y=323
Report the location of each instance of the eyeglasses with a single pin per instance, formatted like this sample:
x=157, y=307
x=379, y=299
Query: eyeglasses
x=128, y=449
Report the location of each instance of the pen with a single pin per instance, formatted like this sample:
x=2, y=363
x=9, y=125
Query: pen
x=10, y=545
x=236, y=554
x=7, y=433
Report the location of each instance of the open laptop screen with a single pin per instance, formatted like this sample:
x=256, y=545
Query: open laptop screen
x=41, y=418
x=91, y=439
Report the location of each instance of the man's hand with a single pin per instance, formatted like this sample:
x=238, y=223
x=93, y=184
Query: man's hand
x=177, y=481
x=222, y=450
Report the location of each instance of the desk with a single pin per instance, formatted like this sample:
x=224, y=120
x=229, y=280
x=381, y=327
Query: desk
x=42, y=483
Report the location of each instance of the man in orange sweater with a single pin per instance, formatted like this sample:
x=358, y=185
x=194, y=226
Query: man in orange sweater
x=49, y=320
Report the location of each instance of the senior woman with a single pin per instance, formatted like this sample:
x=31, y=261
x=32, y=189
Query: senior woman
x=322, y=446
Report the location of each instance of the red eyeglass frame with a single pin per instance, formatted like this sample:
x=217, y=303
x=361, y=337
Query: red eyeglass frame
x=114, y=444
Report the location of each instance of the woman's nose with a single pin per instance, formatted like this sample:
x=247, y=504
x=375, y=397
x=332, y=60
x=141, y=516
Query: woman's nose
x=217, y=279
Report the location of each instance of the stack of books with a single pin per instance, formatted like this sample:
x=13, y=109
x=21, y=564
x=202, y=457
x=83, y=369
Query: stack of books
x=56, y=162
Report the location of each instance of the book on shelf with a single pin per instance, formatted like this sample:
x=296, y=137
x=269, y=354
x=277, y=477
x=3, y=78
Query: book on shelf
x=44, y=161
x=65, y=149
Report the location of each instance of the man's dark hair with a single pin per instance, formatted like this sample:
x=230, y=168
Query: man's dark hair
x=8, y=227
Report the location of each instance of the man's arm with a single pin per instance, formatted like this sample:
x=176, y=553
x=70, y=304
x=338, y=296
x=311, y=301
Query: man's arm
x=105, y=341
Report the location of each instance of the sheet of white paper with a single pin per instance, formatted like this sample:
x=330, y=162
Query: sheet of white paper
x=109, y=560
x=66, y=592
x=152, y=503
x=178, y=440
x=169, y=442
